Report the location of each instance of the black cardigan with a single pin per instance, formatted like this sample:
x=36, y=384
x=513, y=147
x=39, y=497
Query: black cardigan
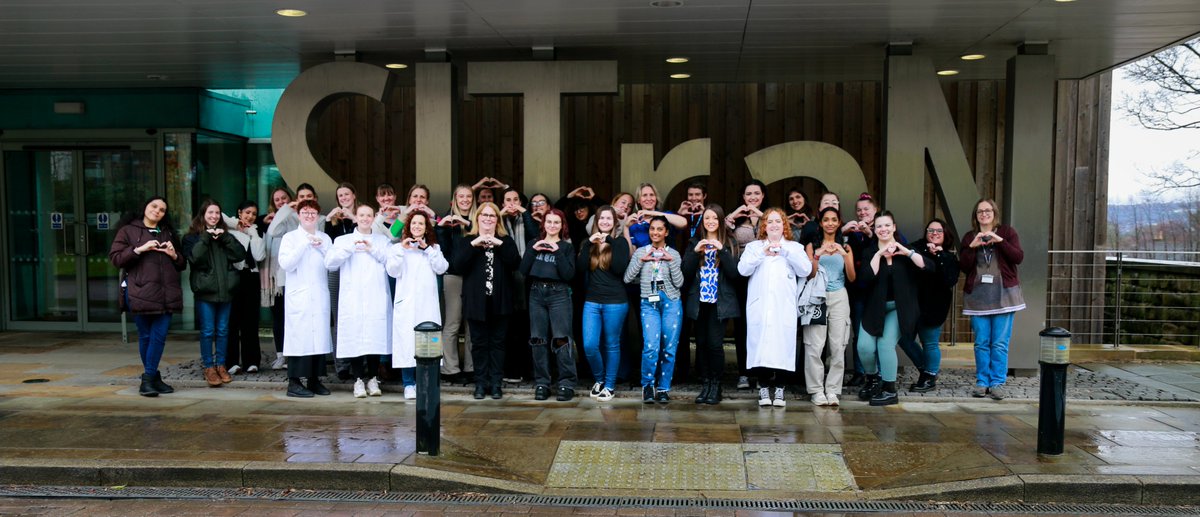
x=727, y=300
x=470, y=263
x=936, y=289
x=904, y=276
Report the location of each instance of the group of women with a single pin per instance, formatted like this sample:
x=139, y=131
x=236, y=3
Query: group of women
x=527, y=280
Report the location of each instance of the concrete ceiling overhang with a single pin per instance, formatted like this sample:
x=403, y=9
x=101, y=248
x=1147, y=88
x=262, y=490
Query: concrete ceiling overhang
x=244, y=44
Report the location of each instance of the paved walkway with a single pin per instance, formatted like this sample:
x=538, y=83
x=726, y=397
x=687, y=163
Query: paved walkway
x=87, y=426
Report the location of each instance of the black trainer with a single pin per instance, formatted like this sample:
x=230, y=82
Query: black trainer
x=927, y=382
x=541, y=393
x=704, y=390
x=480, y=392
x=295, y=389
x=497, y=393
x=159, y=385
x=647, y=394
x=662, y=397
x=565, y=394
x=315, y=386
x=147, y=387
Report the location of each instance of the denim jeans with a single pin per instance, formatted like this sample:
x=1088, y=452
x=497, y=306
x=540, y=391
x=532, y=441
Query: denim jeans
x=878, y=353
x=408, y=376
x=603, y=319
x=550, y=329
x=213, y=319
x=992, y=334
x=661, y=321
x=927, y=356
x=152, y=339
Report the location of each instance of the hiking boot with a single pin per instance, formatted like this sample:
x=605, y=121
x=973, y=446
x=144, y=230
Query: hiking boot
x=147, y=387
x=998, y=392
x=315, y=386
x=159, y=385
x=223, y=374
x=295, y=389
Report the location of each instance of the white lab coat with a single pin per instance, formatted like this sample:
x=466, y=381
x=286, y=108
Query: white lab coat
x=364, y=303
x=306, y=299
x=416, y=300
x=771, y=303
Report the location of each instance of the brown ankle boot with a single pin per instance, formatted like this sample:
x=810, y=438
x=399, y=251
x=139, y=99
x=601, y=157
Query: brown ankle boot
x=211, y=377
x=223, y=374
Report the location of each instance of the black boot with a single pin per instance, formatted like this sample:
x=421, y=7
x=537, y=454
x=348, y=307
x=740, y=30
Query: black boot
x=927, y=382
x=480, y=392
x=714, y=394
x=870, y=387
x=295, y=389
x=315, y=386
x=704, y=391
x=856, y=379
x=147, y=387
x=161, y=386
x=886, y=396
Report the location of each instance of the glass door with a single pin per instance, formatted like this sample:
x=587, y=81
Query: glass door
x=63, y=209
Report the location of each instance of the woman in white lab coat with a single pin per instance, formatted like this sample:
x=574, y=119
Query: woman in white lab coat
x=364, y=300
x=415, y=262
x=776, y=266
x=306, y=300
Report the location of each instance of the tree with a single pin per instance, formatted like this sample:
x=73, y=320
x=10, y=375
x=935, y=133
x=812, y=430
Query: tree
x=1169, y=101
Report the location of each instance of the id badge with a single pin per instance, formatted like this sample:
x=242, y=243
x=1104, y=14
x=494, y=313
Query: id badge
x=987, y=279
x=654, y=298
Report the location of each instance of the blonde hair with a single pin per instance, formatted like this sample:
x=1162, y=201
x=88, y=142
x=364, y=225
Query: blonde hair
x=657, y=199
x=500, y=231
x=762, y=223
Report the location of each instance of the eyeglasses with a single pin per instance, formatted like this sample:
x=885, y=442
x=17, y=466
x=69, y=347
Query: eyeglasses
x=935, y=231
x=538, y=203
x=307, y=213
x=985, y=211
x=486, y=214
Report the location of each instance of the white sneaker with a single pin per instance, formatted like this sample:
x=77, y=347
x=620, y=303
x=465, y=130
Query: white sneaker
x=595, y=390
x=833, y=399
x=360, y=389
x=779, y=394
x=818, y=399
x=764, y=397
x=605, y=395
x=280, y=363
x=373, y=387
x=743, y=383
x=410, y=393
x=252, y=368
x=233, y=370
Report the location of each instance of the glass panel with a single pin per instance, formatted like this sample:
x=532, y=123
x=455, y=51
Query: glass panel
x=220, y=171
x=42, y=266
x=180, y=171
x=115, y=184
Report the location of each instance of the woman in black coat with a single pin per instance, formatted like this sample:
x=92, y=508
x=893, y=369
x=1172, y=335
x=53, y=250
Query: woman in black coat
x=711, y=268
x=485, y=257
x=935, y=295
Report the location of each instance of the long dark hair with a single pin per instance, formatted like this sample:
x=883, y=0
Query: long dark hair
x=742, y=195
x=600, y=255
x=198, y=224
x=164, y=224
x=787, y=203
x=722, y=233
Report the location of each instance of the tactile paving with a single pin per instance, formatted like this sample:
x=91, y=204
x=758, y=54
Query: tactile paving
x=798, y=467
x=648, y=466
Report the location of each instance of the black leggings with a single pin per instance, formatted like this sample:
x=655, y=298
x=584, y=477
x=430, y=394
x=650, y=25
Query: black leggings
x=364, y=366
x=710, y=343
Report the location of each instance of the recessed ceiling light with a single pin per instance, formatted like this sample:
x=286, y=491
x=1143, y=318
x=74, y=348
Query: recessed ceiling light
x=680, y=76
x=947, y=72
x=677, y=60
x=972, y=57
x=396, y=66
x=1063, y=1
x=291, y=13
x=666, y=3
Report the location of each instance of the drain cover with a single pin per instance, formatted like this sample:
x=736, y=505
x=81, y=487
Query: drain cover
x=34, y=381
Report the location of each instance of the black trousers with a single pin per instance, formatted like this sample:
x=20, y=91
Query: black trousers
x=487, y=349
x=307, y=366
x=770, y=377
x=710, y=343
x=244, y=347
x=277, y=322
x=364, y=366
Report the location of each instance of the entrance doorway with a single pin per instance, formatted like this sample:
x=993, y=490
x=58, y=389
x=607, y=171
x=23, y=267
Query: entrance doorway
x=63, y=204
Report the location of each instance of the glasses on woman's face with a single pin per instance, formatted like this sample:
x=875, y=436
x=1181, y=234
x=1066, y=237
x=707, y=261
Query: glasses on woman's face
x=985, y=211
x=487, y=214
x=538, y=203
x=934, y=231
x=308, y=213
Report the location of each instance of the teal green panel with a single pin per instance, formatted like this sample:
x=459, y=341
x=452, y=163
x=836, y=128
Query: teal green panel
x=223, y=113
x=103, y=109
x=263, y=101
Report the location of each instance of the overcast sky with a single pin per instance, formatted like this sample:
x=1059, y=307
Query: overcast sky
x=1135, y=150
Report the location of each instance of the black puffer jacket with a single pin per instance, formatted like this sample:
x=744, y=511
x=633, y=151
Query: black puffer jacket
x=152, y=278
x=213, y=276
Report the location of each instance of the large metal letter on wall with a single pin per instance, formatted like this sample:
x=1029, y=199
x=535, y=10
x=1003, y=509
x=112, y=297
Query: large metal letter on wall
x=435, y=131
x=299, y=104
x=827, y=163
x=691, y=158
x=542, y=83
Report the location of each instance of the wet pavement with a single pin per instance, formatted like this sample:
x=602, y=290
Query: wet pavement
x=87, y=415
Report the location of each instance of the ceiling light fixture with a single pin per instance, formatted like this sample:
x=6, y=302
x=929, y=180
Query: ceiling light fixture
x=972, y=57
x=1063, y=1
x=396, y=66
x=290, y=13
x=680, y=76
x=677, y=60
x=666, y=3
x=947, y=72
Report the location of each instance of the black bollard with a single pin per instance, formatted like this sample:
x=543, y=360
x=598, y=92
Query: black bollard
x=429, y=406
x=1052, y=400
x=429, y=387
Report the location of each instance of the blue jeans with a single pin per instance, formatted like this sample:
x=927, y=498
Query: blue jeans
x=927, y=356
x=878, y=353
x=152, y=339
x=992, y=334
x=214, y=331
x=605, y=319
x=661, y=322
x=408, y=376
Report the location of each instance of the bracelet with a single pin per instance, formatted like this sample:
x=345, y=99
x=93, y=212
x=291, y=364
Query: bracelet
x=910, y=253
